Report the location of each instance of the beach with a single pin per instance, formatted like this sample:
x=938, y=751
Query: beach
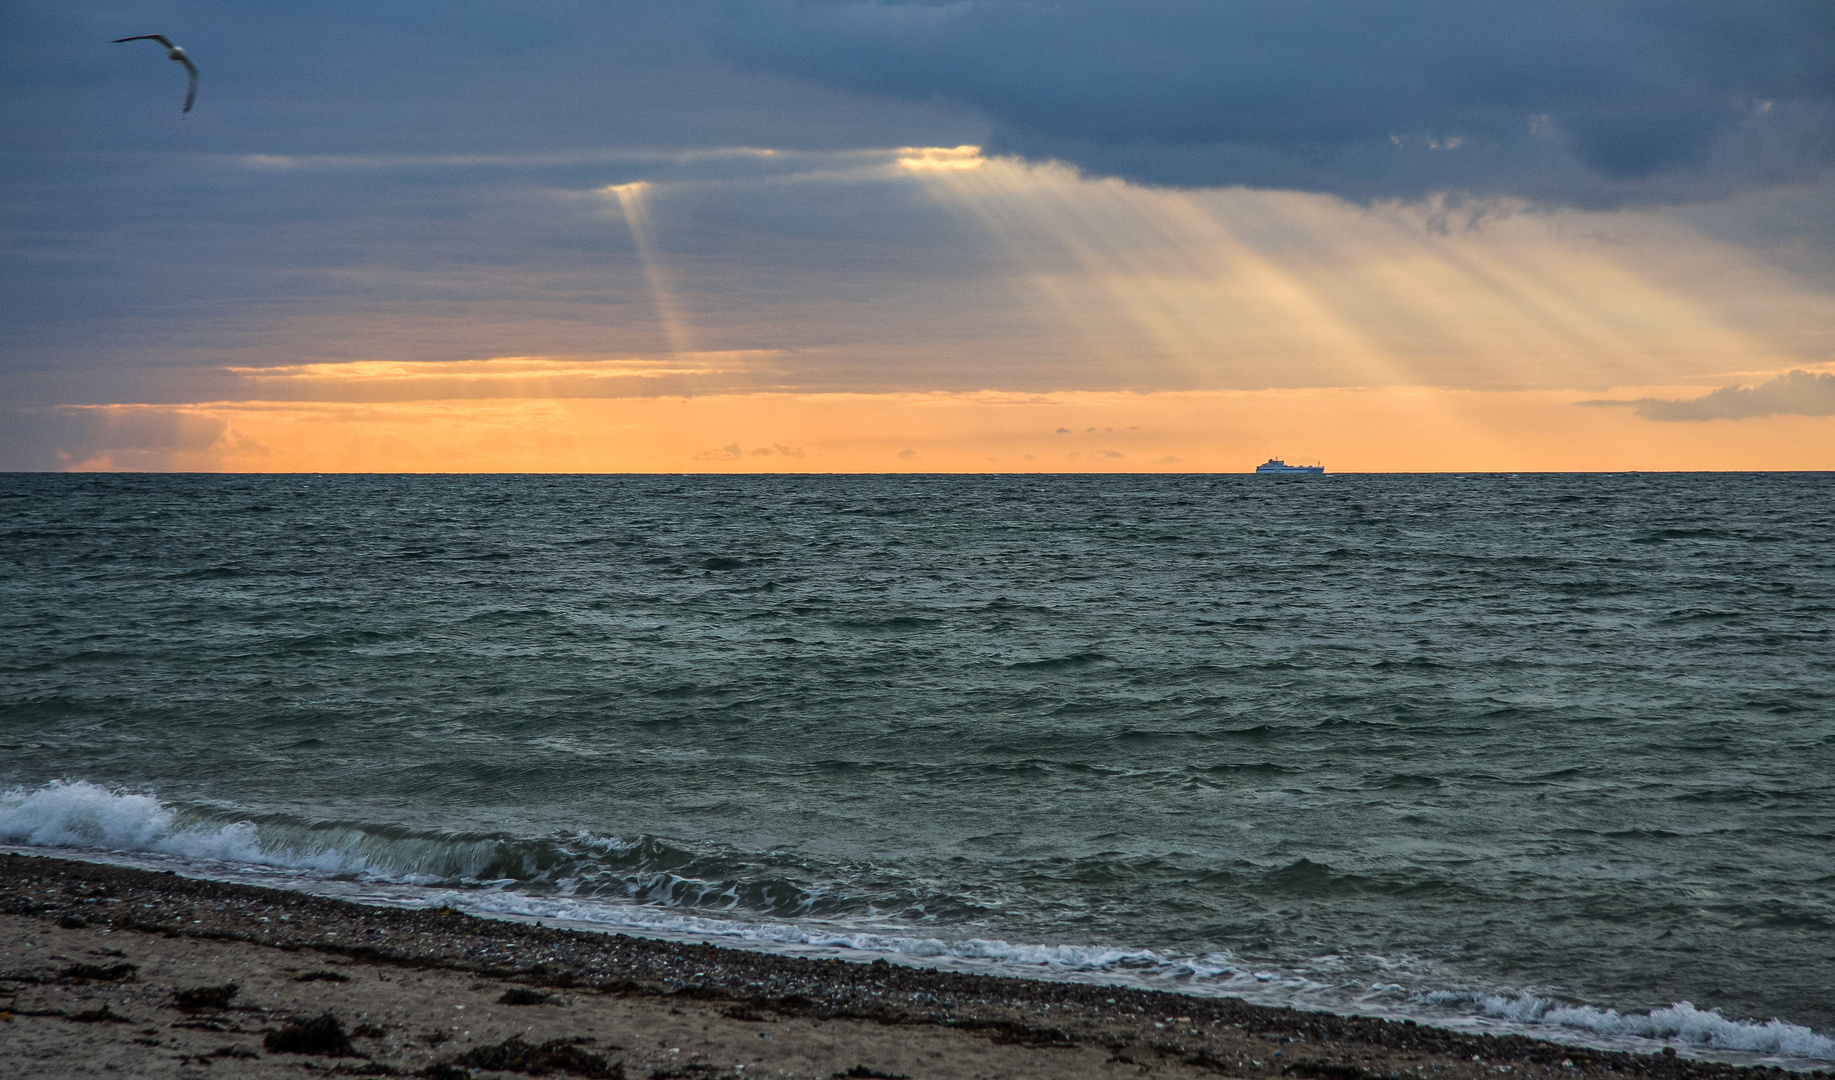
x=111, y=970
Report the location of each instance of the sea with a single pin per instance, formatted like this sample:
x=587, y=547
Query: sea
x=1551, y=754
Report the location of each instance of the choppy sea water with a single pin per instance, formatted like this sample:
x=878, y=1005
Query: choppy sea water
x=1547, y=753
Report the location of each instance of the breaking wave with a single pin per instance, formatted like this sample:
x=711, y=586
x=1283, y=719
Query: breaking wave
x=1682, y=1022
x=642, y=870
x=82, y=815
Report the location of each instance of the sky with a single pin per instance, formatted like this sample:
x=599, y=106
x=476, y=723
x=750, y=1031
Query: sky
x=985, y=235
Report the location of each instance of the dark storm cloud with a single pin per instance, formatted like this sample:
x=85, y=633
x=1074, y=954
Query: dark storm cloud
x=1593, y=102
x=1796, y=393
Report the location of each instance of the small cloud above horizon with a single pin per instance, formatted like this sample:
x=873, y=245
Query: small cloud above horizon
x=1795, y=393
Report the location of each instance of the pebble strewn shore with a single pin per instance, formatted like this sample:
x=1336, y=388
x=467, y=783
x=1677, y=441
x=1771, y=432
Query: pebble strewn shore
x=640, y=987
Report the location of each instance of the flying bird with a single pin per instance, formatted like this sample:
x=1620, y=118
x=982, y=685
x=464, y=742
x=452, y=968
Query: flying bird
x=177, y=55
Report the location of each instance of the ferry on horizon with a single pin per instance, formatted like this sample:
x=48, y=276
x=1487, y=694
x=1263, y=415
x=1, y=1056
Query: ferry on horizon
x=1276, y=465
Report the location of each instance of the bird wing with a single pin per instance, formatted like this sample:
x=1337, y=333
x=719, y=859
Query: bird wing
x=161, y=38
x=191, y=86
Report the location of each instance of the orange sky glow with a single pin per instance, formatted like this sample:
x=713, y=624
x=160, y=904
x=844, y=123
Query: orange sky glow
x=1351, y=430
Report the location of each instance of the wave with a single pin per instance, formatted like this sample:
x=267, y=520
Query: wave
x=82, y=815
x=641, y=870
x=648, y=886
x=1681, y=1021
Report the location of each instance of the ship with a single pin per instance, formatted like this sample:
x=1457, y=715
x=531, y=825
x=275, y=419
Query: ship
x=1275, y=465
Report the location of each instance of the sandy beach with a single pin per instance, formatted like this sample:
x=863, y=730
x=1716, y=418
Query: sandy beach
x=115, y=971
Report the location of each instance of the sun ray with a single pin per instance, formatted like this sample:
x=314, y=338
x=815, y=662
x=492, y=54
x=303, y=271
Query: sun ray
x=1235, y=287
x=633, y=200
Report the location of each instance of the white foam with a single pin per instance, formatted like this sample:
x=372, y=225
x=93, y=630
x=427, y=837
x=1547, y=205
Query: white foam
x=1067, y=958
x=79, y=814
x=1681, y=1021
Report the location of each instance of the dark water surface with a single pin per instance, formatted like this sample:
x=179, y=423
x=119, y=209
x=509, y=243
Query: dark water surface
x=1515, y=749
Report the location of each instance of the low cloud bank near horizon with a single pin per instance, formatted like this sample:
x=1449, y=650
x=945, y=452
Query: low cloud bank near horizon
x=1606, y=103
x=1795, y=393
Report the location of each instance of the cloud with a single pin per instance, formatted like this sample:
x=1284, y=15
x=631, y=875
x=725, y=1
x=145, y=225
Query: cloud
x=119, y=437
x=733, y=452
x=1590, y=102
x=1796, y=393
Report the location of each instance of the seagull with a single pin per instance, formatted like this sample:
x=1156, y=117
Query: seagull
x=176, y=54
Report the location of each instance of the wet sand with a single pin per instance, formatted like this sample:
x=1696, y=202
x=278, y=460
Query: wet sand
x=111, y=971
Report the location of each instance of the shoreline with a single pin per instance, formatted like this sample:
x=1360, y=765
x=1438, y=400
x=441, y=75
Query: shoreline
x=64, y=923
